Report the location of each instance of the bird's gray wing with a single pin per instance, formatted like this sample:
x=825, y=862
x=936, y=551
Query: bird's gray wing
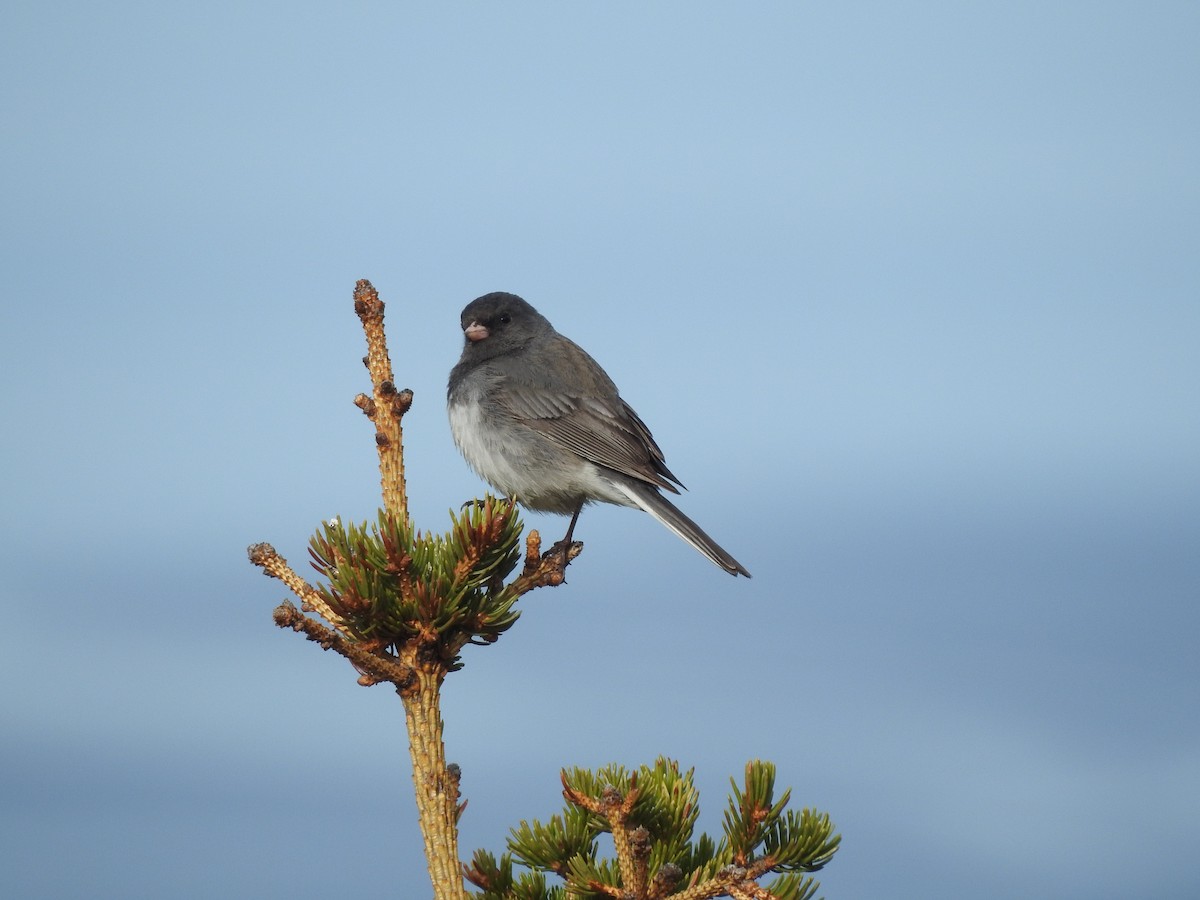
x=603, y=430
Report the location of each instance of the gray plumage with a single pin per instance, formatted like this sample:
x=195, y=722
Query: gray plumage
x=541, y=422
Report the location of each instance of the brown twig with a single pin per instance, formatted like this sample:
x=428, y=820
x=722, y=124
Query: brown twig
x=547, y=569
x=376, y=667
x=275, y=566
x=632, y=845
x=730, y=879
x=436, y=788
x=388, y=405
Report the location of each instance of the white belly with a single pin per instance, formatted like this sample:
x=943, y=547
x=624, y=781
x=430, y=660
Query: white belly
x=528, y=466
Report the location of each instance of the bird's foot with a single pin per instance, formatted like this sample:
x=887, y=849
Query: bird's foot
x=479, y=504
x=566, y=550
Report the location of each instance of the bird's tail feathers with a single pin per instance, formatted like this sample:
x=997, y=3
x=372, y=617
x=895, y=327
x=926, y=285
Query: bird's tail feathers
x=649, y=499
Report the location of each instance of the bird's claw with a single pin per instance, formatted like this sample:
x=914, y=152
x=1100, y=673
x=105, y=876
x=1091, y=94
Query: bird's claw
x=479, y=504
x=567, y=551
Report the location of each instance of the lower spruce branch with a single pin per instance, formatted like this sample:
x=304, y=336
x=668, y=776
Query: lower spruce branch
x=651, y=815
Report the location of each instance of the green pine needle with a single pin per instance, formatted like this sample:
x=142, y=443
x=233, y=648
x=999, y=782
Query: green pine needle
x=388, y=585
x=759, y=831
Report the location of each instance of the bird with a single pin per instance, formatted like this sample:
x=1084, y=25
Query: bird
x=541, y=422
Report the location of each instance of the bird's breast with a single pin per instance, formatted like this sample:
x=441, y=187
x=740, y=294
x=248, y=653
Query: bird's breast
x=520, y=462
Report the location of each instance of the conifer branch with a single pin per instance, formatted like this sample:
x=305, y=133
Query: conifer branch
x=544, y=569
x=275, y=566
x=435, y=783
x=376, y=667
x=388, y=405
x=650, y=814
x=401, y=604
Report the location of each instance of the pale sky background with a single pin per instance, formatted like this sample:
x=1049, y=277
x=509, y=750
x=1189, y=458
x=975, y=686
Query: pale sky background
x=908, y=292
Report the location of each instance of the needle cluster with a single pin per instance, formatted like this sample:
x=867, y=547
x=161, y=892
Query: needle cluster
x=389, y=585
x=651, y=815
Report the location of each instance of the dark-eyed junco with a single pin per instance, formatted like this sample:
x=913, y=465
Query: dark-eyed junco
x=541, y=422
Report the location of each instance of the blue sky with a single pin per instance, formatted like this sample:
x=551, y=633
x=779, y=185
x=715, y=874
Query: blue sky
x=909, y=294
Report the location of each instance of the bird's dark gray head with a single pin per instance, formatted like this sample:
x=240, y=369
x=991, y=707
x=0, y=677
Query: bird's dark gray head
x=499, y=322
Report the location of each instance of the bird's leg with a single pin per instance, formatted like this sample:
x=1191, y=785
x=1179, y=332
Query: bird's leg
x=566, y=541
x=574, y=519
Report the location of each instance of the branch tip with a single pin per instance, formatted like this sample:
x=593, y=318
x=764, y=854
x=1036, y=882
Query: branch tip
x=261, y=555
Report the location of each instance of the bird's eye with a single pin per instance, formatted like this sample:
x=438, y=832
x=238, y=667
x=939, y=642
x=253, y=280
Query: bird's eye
x=504, y=318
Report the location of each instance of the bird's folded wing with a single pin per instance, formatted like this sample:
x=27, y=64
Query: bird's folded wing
x=606, y=433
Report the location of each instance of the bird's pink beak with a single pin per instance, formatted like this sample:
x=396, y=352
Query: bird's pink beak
x=475, y=332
